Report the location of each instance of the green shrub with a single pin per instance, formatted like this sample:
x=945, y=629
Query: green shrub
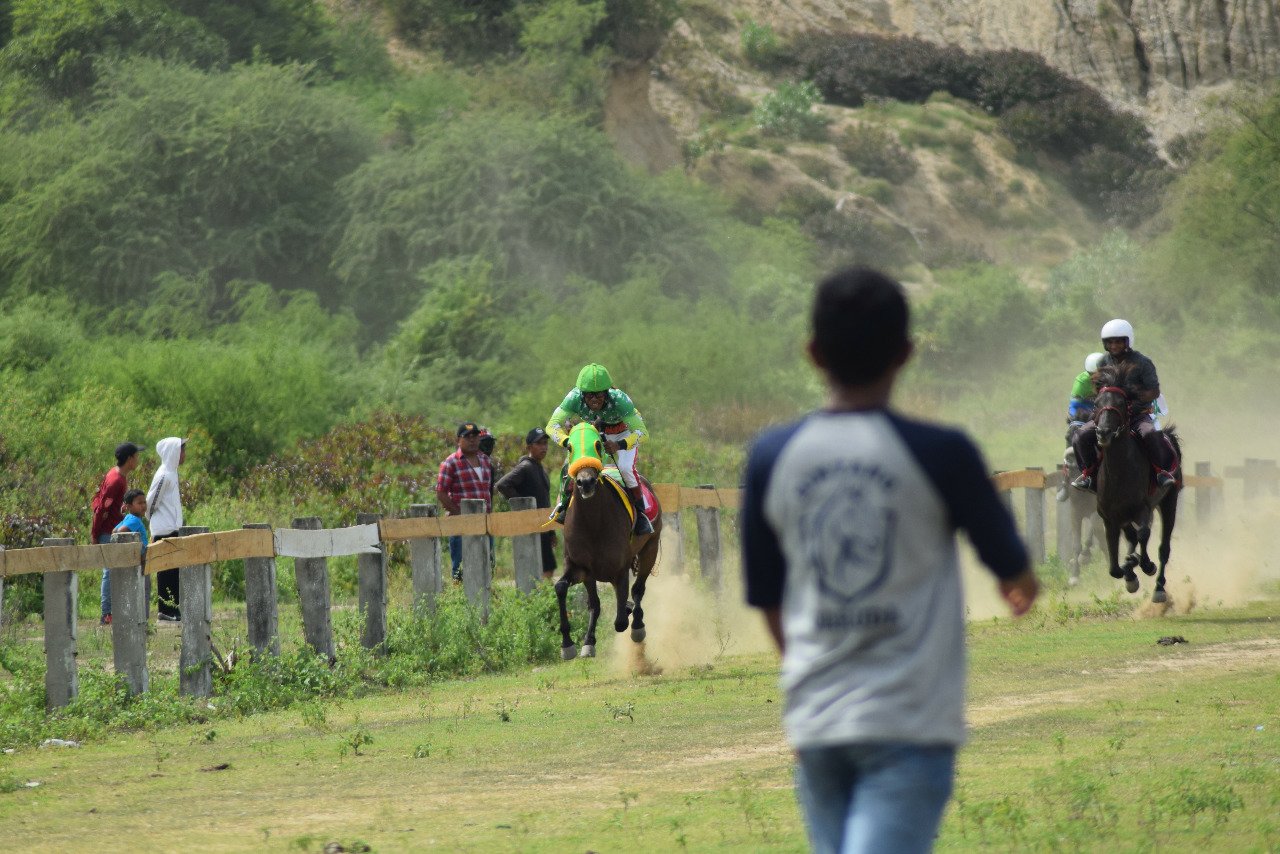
x=788, y=112
x=61, y=44
x=214, y=177
x=977, y=313
x=876, y=153
x=760, y=44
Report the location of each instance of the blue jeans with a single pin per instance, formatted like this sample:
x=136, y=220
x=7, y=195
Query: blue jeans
x=455, y=555
x=874, y=797
x=105, y=597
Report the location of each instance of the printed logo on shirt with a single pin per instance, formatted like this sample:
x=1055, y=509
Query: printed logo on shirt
x=848, y=524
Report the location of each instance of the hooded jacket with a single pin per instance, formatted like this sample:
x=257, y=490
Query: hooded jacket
x=164, y=501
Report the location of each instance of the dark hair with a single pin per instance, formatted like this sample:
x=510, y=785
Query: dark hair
x=860, y=319
x=131, y=495
x=124, y=451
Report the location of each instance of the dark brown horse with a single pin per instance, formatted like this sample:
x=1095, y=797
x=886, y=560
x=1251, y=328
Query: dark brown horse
x=599, y=546
x=1124, y=482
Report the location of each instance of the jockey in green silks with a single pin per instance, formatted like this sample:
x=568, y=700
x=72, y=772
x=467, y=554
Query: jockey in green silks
x=594, y=398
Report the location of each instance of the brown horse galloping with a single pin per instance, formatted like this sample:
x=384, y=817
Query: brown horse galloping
x=599, y=547
x=1124, y=477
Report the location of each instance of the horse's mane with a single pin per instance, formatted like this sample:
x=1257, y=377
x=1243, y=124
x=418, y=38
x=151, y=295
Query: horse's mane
x=1120, y=376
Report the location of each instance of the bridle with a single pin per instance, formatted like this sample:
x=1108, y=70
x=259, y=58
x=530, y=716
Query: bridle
x=1122, y=414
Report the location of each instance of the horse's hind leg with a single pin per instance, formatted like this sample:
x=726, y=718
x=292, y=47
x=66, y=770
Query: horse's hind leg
x=567, y=648
x=593, y=614
x=1168, y=515
x=637, y=613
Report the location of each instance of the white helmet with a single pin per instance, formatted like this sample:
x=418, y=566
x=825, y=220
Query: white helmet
x=1117, y=329
x=1093, y=361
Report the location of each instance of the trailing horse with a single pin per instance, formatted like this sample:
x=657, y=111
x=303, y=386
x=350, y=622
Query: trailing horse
x=1084, y=512
x=598, y=543
x=1125, y=482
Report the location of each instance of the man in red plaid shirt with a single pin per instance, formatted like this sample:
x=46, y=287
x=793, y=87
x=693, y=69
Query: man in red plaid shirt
x=466, y=473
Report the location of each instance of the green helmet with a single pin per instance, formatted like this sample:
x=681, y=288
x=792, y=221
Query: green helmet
x=594, y=378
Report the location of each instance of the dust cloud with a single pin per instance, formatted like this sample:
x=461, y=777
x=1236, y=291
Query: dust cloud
x=689, y=626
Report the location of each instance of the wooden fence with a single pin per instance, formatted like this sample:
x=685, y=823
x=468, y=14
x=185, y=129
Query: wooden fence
x=195, y=551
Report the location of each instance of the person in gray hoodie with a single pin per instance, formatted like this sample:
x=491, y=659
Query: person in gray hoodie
x=164, y=513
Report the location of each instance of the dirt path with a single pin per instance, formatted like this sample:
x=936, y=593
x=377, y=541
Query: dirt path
x=1237, y=655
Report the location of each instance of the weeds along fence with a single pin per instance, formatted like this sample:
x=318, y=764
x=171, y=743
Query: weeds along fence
x=195, y=551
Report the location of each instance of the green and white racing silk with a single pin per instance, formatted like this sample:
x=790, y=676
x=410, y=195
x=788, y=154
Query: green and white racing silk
x=618, y=412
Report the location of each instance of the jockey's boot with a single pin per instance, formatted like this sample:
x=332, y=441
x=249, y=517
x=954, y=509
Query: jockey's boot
x=643, y=525
x=1084, y=482
x=562, y=501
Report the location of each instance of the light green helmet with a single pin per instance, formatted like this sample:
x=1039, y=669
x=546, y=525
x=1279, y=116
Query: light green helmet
x=594, y=378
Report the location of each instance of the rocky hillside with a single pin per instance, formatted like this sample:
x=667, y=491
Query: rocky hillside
x=959, y=191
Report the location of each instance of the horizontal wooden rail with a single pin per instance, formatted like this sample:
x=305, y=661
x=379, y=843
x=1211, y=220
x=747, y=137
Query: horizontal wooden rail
x=364, y=539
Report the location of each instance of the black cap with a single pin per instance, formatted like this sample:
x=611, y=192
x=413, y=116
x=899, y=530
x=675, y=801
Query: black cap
x=125, y=450
x=468, y=428
x=537, y=434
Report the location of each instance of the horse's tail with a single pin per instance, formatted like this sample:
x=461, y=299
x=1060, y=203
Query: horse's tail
x=1171, y=433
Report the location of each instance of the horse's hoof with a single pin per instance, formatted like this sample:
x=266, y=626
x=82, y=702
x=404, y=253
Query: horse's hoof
x=1159, y=597
x=588, y=650
x=1131, y=584
x=1149, y=569
x=1073, y=581
x=620, y=626
x=1116, y=572
x=638, y=635
x=568, y=653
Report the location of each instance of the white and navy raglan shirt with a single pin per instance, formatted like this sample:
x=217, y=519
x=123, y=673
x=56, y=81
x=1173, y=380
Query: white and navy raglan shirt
x=849, y=524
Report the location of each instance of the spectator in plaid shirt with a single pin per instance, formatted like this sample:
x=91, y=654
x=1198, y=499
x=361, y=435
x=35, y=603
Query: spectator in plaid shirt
x=466, y=473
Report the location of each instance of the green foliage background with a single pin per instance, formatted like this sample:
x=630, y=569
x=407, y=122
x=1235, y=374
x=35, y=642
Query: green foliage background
x=246, y=224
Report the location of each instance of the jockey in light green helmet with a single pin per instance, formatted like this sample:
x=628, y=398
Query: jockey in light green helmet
x=594, y=398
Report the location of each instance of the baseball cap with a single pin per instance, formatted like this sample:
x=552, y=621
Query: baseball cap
x=537, y=434
x=468, y=428
x=127, y=449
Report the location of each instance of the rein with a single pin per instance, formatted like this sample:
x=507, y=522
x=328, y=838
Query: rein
x=1124, y=415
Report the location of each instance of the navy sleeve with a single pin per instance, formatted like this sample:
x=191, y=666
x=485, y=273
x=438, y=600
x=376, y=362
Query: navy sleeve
x=764, y=568
x=956, y=469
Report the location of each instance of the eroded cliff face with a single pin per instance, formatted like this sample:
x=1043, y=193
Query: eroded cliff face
x=1156, y=57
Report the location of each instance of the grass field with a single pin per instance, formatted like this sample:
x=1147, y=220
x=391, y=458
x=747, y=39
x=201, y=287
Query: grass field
x=1086, y=735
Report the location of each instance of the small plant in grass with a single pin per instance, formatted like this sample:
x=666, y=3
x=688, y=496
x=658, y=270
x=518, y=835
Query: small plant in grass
x=626, y=710
x=422, y=751
x=1191, y=796
x=754, y=813
x=788, y=112
x=357, y=738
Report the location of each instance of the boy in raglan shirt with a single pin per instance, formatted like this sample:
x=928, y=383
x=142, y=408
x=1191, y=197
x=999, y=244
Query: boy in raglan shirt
x=849, y=527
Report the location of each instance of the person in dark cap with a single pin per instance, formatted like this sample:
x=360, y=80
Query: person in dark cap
x=466, y=473
x=528, y=479
x=108, y=510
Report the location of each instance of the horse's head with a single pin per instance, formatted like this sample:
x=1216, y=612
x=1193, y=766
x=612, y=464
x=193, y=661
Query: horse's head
x=586, y=459
x=1113, y=401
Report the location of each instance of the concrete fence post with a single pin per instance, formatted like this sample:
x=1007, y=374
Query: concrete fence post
x=671, y=550
x=1033, y=505
x=424, y=558
x=372, y=569
x=1204, y=495
x=477, y=573
x=261, y=600
x=312, y=574
x=129, y=622
x=526, y=550
x=709, y=542
x=61, y=681
x=195, y=601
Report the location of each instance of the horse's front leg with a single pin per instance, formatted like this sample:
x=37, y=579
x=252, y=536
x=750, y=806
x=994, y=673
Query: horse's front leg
x=624, y=608
x=1113, y=549
x=637, y=612
x=1131, y=560
x=593, y=614
x=568, y=649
